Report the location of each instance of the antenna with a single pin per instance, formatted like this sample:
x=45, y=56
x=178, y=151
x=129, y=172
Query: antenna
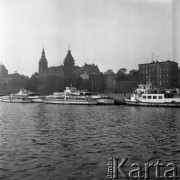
x=152, y=56
x=168, y=56
x=157, y=58
x=69, y=47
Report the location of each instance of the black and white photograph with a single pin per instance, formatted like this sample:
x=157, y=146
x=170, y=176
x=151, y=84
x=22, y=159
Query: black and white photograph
x=89, y=89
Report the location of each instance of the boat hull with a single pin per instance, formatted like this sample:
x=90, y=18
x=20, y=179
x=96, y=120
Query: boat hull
x=102, y=101
x=165, y=104
x=20, y=101
x=37, y=100
x=70, y=102
x=5, y=100
x=10, y=100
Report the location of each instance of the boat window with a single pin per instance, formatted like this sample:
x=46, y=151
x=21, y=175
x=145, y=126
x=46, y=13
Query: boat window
x=159, y=97
x=149, y=97
x=144, y=97
x=154, y=97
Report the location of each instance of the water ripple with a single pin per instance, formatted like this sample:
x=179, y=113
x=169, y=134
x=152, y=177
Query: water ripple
x=39, y=141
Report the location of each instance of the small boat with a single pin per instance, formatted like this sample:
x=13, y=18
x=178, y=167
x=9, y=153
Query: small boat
x=146, y=95
x=105, y=100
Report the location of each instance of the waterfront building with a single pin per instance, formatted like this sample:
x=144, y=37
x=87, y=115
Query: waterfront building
x=160, y=74
x=97, y=83
x=178, y=77
x=56, y=70
x=91, y=69
x=110, y=82
x=68, y=70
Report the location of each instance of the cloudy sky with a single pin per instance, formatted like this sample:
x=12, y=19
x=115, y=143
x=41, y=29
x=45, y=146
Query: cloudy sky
x=110, y=33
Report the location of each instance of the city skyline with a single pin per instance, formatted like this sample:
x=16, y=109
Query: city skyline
x=112, y=34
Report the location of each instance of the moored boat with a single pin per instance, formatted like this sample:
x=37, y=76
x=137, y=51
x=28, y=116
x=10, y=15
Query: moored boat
x=100, y=99
x=18, y=98
x=36, y=97
x=146, y=95
x=6, y=98
x=59, y=98
x=105, y=100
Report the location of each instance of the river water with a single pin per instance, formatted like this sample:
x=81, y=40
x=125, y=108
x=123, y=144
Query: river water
x=41, y=141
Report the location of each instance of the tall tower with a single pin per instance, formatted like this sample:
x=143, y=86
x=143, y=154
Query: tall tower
x=3, y=71
x=69, y=68
x=43, y=64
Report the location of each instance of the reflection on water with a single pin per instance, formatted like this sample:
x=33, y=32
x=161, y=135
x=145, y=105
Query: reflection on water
x=40, y=141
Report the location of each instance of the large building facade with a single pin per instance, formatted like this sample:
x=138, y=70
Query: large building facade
x=68, y=70
x=160, y=74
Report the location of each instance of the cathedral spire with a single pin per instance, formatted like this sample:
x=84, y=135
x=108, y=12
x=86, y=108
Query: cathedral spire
x=43, y=53
x=43, y=63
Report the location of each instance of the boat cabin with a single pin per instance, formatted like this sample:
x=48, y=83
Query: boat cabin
x=144, y=88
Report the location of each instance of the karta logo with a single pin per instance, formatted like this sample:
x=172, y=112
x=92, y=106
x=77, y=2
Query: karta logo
x=116, y=170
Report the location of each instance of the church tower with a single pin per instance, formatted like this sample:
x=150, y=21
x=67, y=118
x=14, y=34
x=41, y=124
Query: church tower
x=69, y=68
x=3, y=71
x=43, y=64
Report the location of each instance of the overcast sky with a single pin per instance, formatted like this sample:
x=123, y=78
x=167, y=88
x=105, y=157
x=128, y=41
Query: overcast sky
x=110, y=33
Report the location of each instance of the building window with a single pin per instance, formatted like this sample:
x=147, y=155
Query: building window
x=159, y=97
x=154, y=97
x=149, y=97
x=144, y=97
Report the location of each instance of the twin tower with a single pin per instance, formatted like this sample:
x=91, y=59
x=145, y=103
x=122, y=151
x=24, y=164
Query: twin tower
x=68, y=67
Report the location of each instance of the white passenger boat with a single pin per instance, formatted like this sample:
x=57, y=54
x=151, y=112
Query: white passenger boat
x=101, y=100
x=16, y=98
x=21, y=97
x=36, y=97
x=57, y=98
x=6, y=98
x=146, y=95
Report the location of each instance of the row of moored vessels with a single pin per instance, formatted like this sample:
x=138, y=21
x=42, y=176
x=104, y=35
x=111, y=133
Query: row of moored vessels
x=69, y=96
x=144, y=95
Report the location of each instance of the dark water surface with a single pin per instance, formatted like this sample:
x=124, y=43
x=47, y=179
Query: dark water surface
x=39, y=141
